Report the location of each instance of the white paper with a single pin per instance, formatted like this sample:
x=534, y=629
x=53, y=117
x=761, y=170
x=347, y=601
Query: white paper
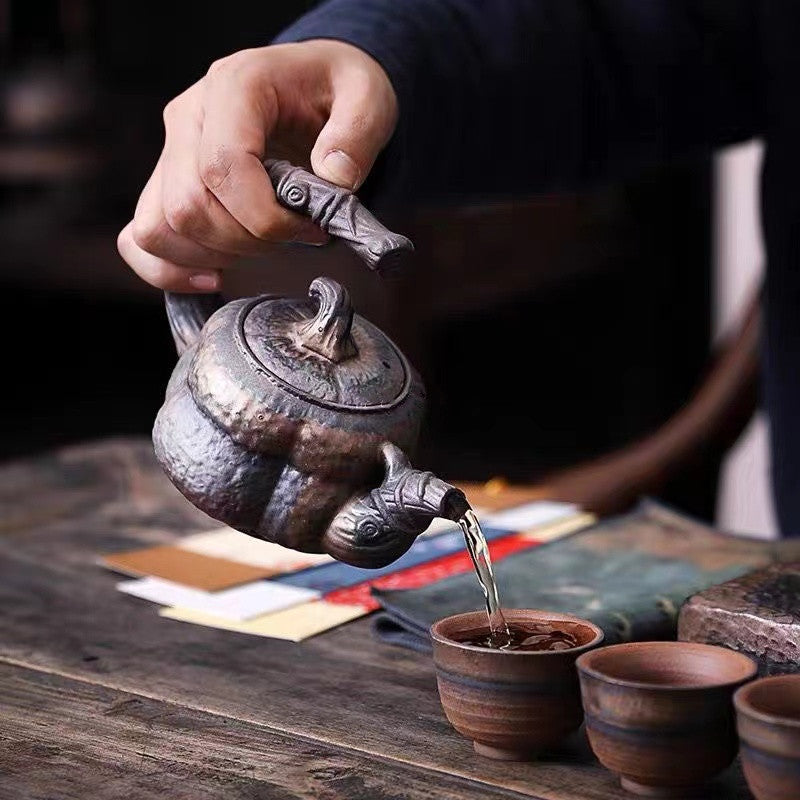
x=530, y=515
x=239, y=603
x=439, y=525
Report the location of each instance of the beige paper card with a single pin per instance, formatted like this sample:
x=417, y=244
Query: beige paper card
x=496, y=494
x=555, y=530
x=183, y=566
x=293, y=624
x=236, y=546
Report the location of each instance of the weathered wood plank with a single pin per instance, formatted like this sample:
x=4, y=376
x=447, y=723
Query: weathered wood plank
x=344, y=689
x=107, y=478
x=64, y=738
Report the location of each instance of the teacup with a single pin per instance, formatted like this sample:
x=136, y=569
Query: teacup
x=768, y=719
x=660, y=714
x=512, y=704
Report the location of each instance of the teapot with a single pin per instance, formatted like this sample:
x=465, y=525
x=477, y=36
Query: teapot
x=289, y=419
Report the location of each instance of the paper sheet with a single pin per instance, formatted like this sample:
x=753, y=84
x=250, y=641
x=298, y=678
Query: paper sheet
x=563, y=527
x=185, y=567
x=530, y=515
x=237, y=604
x=236, y=546
x=293, y=624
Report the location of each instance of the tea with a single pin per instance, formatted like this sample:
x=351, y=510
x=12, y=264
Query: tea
x=533, y=636
x=499, y=635
x=537, y=636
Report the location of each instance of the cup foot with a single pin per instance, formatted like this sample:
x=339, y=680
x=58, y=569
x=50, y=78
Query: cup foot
x=643, y=790
x=501, y=754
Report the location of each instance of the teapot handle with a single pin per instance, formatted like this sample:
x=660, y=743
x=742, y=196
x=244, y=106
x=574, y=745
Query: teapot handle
x=187, y=313
x=336, y=210
x=377, y=528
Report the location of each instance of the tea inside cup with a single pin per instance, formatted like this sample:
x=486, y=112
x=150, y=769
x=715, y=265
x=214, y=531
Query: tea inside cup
x=511, y=703
x=660, y=715
x=768, y=721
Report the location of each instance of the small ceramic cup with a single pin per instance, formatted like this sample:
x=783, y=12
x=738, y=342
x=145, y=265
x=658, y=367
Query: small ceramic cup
x=659, y=714
x=511, y=704
x=768, y=719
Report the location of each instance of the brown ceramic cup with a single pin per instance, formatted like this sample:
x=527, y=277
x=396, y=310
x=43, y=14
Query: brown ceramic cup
x=511, y=704
x=768, y=719
x=660, y=714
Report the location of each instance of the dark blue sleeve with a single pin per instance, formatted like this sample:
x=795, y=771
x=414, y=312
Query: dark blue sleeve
x=500, y=96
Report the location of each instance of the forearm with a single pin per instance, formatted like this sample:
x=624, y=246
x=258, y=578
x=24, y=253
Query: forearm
x=500, y=96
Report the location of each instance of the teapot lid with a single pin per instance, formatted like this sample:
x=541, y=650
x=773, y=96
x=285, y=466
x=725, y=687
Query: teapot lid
x=321, y=351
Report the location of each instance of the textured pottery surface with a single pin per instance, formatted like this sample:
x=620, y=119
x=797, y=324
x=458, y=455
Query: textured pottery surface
x=660, y=714
x=511, y=704
x=768, y=720
x=289, y=418
x=758, y=614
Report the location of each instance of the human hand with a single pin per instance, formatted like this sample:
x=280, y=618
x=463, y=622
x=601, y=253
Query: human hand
x=321, y=103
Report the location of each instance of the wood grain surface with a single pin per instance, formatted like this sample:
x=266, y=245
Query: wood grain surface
x=101, y=698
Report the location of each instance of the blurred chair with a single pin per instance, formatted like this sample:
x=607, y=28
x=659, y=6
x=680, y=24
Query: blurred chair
x=699, y=434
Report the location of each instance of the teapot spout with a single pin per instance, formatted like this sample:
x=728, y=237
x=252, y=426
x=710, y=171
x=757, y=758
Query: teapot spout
x=376, y=529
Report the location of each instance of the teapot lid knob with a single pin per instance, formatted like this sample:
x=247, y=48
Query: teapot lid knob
x=328, y=333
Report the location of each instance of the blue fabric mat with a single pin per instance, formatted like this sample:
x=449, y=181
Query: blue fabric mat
x=629, y=575
x=327, y=577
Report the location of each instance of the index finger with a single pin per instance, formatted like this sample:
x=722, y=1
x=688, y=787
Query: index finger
x=236, y=127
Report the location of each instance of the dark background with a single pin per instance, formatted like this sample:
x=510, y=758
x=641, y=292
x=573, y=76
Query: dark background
x=548, y=330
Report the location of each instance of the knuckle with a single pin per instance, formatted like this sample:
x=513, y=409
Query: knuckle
x=222, y=65
x=123, y=242
x=170, y=111
x=178, y=106
x=361, y=122
x=216, y=169
x=184, y=213
x=254, y=73
x=216, y=67
x=146, y=232
x=244, y=66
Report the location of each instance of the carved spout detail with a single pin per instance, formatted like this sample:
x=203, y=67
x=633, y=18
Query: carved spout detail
x=376, y=529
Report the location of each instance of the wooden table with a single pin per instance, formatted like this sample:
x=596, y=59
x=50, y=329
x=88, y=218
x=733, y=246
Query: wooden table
x=100, y=698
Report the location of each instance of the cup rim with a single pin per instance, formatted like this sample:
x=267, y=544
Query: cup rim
x=744, y=705
x=547, y=616
x=584, y=667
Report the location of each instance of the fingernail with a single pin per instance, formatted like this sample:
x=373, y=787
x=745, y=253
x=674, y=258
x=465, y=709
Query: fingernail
x=204, y=281
x=342, y=169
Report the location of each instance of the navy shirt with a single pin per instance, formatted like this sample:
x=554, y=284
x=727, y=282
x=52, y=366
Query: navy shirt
x=505, y=96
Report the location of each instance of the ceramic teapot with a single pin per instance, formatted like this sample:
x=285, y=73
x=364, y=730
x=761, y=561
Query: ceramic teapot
x=289, y=419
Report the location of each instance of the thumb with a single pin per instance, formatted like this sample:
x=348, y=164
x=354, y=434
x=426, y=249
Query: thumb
x=361, y=121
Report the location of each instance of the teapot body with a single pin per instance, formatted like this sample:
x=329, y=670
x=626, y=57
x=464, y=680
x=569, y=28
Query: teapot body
x=289, y=419
x=268, y=449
